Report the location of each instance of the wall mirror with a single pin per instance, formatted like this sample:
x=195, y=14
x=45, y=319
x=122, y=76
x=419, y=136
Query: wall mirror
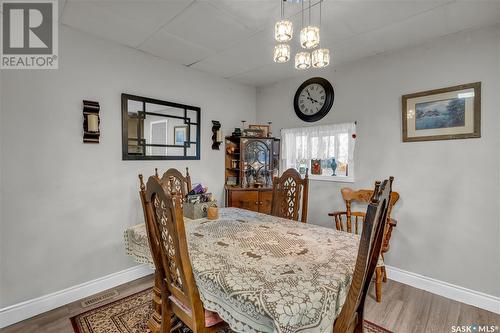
x=153, y=129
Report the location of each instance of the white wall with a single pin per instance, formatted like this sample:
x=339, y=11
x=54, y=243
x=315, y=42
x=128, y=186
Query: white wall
x=448, y=213
x=65, y=203
x=2, y=234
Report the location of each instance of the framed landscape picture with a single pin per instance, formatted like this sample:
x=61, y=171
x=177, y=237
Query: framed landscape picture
x=180, y=135
x=443, y=114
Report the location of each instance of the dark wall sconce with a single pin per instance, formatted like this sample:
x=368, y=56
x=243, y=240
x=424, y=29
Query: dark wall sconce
x=216, y=134
x=91, y=121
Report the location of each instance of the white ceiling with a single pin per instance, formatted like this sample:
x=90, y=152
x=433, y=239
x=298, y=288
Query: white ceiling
x=234, y=38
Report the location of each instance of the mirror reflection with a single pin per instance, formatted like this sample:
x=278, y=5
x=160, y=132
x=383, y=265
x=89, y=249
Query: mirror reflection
x=155, y=129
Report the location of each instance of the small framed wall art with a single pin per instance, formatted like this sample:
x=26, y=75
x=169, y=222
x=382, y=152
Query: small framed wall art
x=180, y=135
x=443, y=114
x=264, y=128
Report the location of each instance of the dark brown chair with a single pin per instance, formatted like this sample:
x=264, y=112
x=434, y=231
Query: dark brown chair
x=179, y=293
x=287, y=193
x=344, y=221
x=350, y=318
x=154, y=323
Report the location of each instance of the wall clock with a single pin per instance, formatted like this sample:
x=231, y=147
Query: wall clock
x=314, y=99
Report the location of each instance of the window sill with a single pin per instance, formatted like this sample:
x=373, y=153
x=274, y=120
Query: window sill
x=340, y=179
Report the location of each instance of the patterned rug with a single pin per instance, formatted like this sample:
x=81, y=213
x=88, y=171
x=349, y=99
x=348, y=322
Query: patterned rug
x=130, y=315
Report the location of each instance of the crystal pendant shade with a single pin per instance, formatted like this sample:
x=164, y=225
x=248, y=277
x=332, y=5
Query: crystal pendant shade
x=281, y=53
x=320, y=58
x=309, y=37
x=303, y=60
x=283, y=31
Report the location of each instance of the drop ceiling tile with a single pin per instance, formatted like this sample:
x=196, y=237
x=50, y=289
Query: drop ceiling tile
x=467, y=14
x=205, y=25
x=268, y=74
x=254, y=15
x=128, y=23
x=442, y=21
x=174, y=49
x=365, y=16
x=251, y=53
x=146, y=12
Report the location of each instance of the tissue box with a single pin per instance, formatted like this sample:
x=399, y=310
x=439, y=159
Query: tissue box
x=196, y=211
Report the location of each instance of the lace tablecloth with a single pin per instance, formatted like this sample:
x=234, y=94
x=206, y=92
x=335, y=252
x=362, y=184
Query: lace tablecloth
x=266, y=274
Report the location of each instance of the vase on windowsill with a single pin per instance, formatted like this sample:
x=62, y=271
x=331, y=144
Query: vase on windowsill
x=333, y=165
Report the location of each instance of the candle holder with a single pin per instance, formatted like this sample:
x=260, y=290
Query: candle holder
x=91, y=122
x=216, y=135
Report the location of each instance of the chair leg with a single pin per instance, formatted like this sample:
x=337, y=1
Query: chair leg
x=166, y=311
x=378, y=283
x=384, y=278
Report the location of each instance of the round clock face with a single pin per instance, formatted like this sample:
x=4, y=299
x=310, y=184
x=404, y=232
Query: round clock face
x=313, y=99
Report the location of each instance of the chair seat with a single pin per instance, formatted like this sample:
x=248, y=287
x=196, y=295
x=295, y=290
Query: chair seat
x=211, y=318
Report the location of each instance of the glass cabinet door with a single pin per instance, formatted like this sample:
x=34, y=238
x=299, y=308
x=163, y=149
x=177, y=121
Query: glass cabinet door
x=256, y=160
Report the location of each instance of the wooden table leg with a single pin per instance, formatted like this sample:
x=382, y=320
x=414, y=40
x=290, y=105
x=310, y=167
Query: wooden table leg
x=154, y=323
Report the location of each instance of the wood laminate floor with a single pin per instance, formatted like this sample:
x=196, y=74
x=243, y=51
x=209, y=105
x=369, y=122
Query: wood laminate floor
x=403, y=309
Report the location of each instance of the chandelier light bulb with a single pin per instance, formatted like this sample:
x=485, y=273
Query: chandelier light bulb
x=283, y=31
x=320, y=58
x=281, y=53
x=303, y=60
x=309, y=37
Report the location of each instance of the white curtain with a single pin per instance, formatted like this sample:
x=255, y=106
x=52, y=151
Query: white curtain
x=318, y=142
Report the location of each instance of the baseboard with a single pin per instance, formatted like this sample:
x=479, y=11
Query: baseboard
x=448, y=290
x=24, y=310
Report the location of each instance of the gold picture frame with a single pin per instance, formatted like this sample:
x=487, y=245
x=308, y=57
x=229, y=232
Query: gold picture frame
x=264, y=128
x=442, y=114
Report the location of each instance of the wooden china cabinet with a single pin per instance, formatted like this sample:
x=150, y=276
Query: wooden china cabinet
x=251, y=164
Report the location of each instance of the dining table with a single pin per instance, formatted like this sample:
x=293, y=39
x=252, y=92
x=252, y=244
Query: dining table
x=263, y=273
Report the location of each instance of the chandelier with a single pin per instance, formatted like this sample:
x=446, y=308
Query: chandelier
x=309, y=39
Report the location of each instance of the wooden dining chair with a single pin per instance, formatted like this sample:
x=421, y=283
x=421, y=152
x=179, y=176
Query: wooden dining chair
x=350, y=319
x=171, y=179
x=179, y=293
x=154, y=323
x=346, y=220
x=287, y=193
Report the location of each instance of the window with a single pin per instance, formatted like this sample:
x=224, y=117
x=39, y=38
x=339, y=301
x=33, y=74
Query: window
x=321, y=149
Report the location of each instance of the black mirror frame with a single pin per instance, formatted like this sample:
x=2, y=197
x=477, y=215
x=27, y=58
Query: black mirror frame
x=127, y=156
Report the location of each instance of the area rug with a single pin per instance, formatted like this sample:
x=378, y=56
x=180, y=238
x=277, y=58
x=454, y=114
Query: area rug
x=130, y=315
